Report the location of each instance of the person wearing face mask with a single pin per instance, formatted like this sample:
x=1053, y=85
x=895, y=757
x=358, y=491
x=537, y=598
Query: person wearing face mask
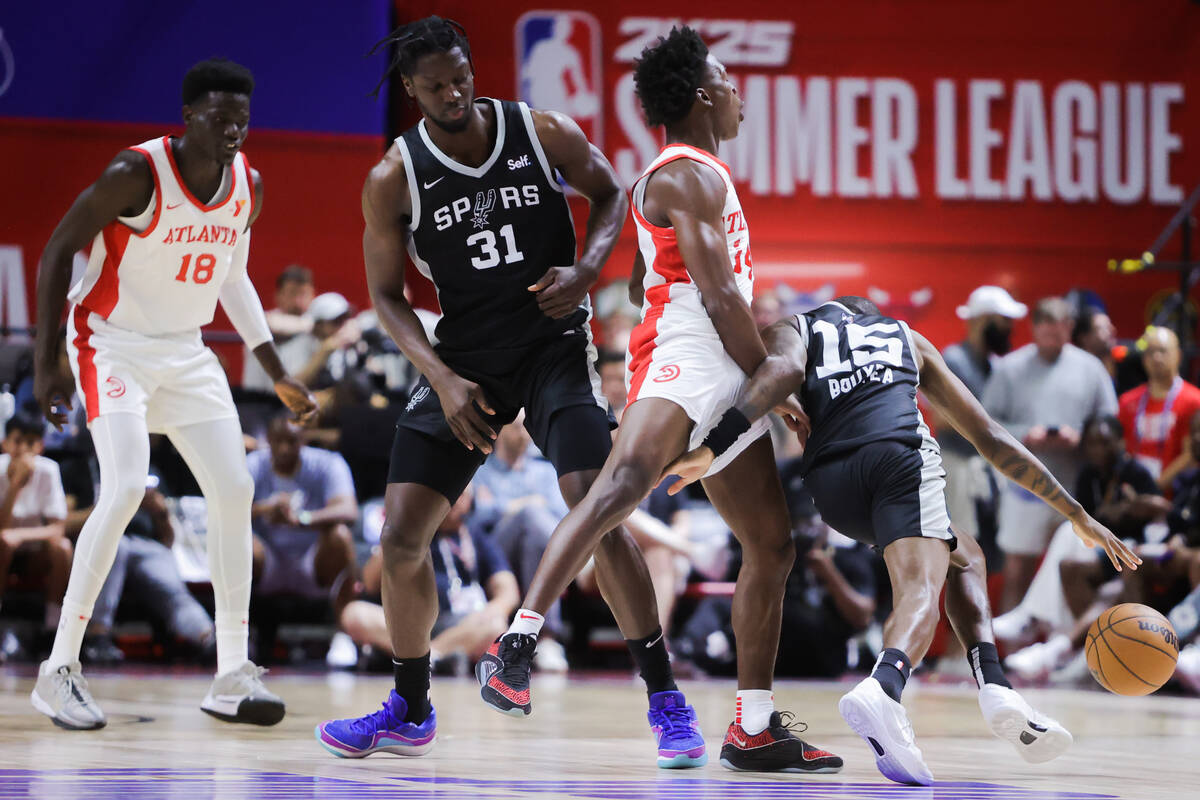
x=989, y=313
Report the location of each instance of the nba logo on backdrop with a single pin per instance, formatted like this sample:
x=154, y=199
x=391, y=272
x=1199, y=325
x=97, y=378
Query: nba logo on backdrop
x=558, y=66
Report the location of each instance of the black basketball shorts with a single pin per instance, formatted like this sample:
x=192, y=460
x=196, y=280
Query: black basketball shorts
x=882, y=492
x=565, y=413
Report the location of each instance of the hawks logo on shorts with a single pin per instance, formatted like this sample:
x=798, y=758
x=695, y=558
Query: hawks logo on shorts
x=114, y=387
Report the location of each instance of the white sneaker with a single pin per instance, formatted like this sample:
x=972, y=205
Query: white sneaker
x=1037, y=661
x=1187, y=668
x=882, y=723
x=1037, y=737
x=342, y=653
x=63, y=696
x=1017, y=628
x=550, y=656
x=239, y=696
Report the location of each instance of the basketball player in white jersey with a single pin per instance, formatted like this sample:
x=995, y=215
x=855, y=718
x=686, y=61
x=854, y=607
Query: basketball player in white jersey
x=169, y=224
x=688, y=362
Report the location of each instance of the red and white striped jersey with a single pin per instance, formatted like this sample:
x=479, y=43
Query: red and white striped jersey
x=161, y=272
x=671, y=304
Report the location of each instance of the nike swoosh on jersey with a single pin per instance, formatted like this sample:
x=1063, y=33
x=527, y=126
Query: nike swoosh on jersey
x=177, y=205
x=431, y=184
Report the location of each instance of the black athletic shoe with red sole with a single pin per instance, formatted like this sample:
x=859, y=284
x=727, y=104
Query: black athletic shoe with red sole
x=503, y=674
x=776, y=749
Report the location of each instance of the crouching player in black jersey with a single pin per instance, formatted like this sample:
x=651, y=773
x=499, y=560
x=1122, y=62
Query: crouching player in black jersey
x=876, y=475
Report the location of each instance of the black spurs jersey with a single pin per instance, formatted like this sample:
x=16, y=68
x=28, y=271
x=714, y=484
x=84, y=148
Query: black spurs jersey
x=860, y=383
x=484, y=234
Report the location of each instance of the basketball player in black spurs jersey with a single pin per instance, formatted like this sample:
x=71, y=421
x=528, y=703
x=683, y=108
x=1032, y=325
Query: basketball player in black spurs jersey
x=472, y=194
x=876, y=475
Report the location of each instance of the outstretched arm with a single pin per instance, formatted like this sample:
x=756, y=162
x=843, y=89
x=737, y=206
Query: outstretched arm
x=959, y=407
x=585, y=169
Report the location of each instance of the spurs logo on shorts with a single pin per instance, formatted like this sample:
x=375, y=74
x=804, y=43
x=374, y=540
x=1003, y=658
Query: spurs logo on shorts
x=114, y=387
x=417, y=397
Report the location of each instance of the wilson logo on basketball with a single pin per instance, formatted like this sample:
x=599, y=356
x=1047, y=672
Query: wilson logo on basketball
x=115, y=387
x=1168, y=635
x=668, y=373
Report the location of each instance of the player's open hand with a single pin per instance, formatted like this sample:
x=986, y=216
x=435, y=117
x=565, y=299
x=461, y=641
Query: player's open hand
x=53, y=389
x=690, y=467
x=462, y=402
x=299, y=400
x=1093, y=534
x=560, y=291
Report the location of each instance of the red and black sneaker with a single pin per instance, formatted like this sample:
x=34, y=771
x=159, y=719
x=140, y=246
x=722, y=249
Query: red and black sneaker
x=503, y=674
x=776, y=749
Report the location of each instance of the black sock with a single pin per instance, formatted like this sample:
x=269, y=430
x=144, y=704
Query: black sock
x=650, y=655
x=985, y=665
x=891, y=670
x=412, y=683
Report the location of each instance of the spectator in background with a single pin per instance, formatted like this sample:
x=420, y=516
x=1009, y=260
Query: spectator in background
x=290, y=325
x=304, y=505
x=33, y=510
x=1042, y=392
x=988, y=314
x=144, y=575
x=1095, y=332
x=336, y=332
x=1158, y=414
x=477, y=593
x=518, y=502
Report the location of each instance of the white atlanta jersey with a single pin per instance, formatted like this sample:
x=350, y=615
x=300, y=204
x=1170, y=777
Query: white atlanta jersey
x=164, y=276
x=671, y=304
x=675, y=352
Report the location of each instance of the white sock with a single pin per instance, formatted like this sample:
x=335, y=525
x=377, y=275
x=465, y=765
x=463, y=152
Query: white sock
x=527, y=622
x=232, y=636
x=72, y=624
x=754, y=709
x=1060, y=645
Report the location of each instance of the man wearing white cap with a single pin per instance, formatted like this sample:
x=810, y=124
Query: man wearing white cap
x=1043, y=393
x=989, y=314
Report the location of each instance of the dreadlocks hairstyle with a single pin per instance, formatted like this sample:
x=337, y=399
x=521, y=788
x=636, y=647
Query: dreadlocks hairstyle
x=858, y=305
x=667, y=74
x=216, y=75
x=420, y=38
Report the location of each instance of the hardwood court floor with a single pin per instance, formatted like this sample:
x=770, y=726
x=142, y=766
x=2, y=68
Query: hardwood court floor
x=587, y=738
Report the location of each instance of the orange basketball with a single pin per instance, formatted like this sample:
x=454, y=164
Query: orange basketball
x=1131, y=649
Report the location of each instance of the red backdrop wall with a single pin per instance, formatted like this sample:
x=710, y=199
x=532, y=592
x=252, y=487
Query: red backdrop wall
x=838, y=162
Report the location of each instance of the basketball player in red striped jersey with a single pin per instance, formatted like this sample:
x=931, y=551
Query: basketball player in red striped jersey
x=169, y=226
x=688, y=362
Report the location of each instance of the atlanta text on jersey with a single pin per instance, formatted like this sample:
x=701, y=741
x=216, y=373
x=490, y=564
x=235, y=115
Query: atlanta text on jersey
x=216, y=234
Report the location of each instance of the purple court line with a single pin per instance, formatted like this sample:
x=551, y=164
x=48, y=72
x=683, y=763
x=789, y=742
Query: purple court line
x=233, y=784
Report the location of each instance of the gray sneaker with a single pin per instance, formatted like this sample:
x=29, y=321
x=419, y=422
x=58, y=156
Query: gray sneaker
x=63, y=696
x=239, y=696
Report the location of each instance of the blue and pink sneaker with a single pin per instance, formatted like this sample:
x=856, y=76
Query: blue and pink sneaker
x=673, y=721
x=384, y=731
